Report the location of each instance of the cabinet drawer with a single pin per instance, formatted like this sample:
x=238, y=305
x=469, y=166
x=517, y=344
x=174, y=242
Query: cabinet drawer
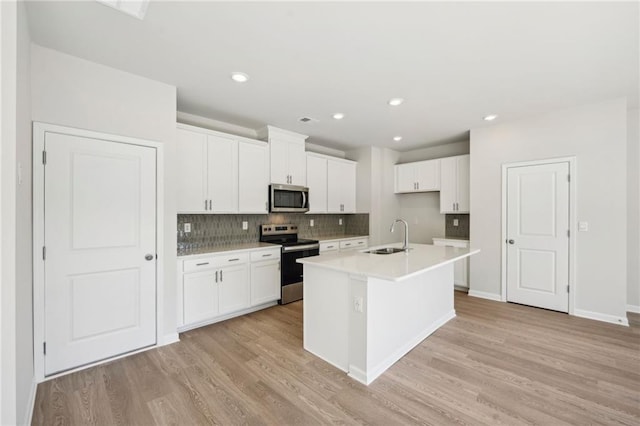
x=451, y=243
x=329, y=246
x=214, y=262
x=271, y=254
x=354, y=244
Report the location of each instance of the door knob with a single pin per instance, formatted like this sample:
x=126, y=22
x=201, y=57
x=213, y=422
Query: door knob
x=511, y=241
x=148, y=257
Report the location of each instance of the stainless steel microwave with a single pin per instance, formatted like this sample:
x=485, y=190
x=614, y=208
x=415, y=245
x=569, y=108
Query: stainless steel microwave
x=288, y=198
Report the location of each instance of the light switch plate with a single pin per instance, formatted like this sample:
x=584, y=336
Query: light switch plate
x=340, y=221
x=311, y=222
x=245, y=225
x=455, y=222
x=187, y=227
x=583, y=226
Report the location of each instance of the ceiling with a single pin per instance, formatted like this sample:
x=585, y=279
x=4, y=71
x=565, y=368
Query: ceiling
x=453, y=63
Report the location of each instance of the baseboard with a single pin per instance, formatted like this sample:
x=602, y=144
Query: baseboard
x=601, y=317
x=485, y=295
x=633, y=308
x=31, y=403
x=170, y=338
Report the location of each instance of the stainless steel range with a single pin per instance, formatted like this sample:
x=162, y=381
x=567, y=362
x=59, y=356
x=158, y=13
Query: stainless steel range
x=293, y=248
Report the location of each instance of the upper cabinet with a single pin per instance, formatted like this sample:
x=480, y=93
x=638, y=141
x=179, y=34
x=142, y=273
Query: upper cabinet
x=421, y=176
x=287, y=155
x=332, y=184
x=454, y=190
x=220, y=173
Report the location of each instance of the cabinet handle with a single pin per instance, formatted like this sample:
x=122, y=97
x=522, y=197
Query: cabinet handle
x=330, y=247
x=278, y=266
x=232, y=260
x=220, y=276
x=417, y=185
x=202, y=264
x=205, y=204
x=216, y=276
x=267, y=255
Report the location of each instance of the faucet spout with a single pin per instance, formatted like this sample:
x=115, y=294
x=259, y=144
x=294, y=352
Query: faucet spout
x=405, y=245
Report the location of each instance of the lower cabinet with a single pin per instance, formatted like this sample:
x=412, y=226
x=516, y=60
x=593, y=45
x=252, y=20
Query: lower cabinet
x=221, y=286
x=347, y=244
x=461, y=267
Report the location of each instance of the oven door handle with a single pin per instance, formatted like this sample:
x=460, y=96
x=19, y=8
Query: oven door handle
x=300, y=248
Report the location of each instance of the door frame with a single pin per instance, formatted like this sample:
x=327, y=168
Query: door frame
x=572, y=221
x=39, y=131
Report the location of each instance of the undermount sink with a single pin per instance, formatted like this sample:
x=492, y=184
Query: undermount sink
x=385, y=250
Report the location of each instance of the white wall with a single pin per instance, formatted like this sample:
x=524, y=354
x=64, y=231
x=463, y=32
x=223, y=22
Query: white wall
x=633, y=216
x=74, y=92
x=596, y=135
x=8, y=131
x=25, y=384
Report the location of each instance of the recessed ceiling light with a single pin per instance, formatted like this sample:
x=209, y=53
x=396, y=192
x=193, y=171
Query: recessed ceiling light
x=338, y=116
x=490, y=117
x=395, y=101
x=239, y=77
x=397, y=138
x=136, y=9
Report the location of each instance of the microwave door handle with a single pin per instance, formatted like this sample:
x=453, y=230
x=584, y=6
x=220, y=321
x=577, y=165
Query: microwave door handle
x=304, y=200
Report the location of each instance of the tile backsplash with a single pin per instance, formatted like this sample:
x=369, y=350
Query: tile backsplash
x=460, y=231
x=211, y=231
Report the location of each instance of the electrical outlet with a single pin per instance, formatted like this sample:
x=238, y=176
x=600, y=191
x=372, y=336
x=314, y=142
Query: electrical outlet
x=455, y=222
x=187, y=227
x=340, y=221
x=245, y=225
x=357, y=304
x=311, y=222
x=583, y=226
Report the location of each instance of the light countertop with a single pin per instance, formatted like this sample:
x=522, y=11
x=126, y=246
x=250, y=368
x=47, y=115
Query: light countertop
x=231, y=247
x=392, y=267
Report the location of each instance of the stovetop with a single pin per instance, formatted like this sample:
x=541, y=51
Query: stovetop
x=285, y=235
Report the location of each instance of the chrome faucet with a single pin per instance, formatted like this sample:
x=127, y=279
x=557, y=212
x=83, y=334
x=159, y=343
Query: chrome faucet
x=405, y=245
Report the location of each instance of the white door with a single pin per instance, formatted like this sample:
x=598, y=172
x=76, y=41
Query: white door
x=191, y=164
x=100, y=239
x=538, y=235
x=222, y=175
x=253, y=177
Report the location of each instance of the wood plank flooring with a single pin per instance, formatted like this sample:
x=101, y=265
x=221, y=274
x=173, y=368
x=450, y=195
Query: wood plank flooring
x=495, y=363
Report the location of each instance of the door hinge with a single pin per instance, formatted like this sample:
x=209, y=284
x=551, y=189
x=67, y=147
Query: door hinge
x=567, y=289
x=44, y=157
x=44, y=253
x=568, y=233
x=568, y=178
x=44, y=348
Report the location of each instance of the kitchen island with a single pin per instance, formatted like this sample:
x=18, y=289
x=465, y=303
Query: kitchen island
x=364, y=311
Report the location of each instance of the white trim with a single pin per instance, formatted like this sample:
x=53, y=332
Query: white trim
x=485, y=295
x=31, y=402
x=169, y=339
x=573, y=167
x=39, y=131
x=633, y=308
x=601, y=317
x=225, y=317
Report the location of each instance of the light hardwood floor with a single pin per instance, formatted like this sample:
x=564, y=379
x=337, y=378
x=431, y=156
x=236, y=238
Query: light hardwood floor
x=495, y=363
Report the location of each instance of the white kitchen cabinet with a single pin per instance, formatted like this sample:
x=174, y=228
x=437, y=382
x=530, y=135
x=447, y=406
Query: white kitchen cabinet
x=265, y=281
x=222, y=172
x=287, y=155
x=341, y=183
x=233, y=288
x=219, y=286
x=317, y=183
x=191, y=162
x=346, y=244
x=200, y=295
x=461, y=267
x=253, y=177
x=454, y=184
x=421, y=176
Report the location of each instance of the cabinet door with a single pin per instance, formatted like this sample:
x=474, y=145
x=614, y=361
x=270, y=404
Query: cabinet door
x=448, y=184
x=233, y=283
x=463, y=184
x=317, y=183
x=405, y=178
x=265, y=282
x=460, y=273
x=253, y=178
x=279, y=161
x=297, y=164
x=191, y=159
x=341, y=187
x=222, y=182
x=428, y=175
x=200, y=296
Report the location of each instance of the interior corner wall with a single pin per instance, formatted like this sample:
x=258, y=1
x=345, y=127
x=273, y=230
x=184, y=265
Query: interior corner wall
x=633, y=216
x=596, y=135
x=73, y=92
x=25, y=381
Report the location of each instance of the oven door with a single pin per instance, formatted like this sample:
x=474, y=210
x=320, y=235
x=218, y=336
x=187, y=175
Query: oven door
x=292, y=272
